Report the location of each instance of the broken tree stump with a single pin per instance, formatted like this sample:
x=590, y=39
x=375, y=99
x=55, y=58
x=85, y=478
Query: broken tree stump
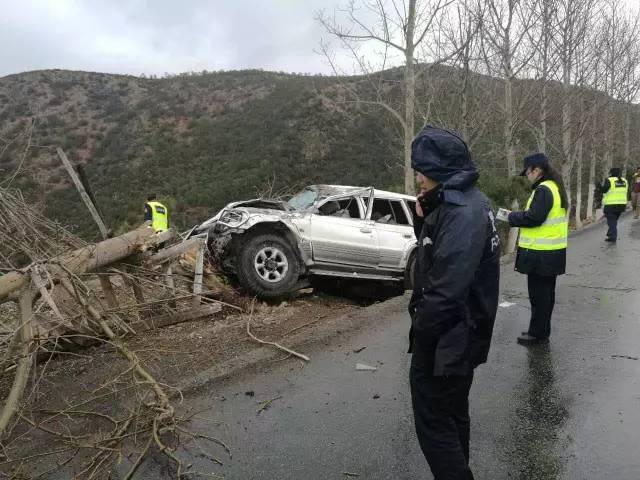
x=168, y=280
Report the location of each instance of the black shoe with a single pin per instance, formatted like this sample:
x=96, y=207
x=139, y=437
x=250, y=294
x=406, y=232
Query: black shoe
x=527, y=340
x=609, y=239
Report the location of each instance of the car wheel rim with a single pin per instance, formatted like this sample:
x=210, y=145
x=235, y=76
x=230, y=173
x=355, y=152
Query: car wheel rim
x=271, y=264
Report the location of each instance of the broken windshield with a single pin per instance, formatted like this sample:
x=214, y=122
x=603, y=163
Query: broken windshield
x=303, y=200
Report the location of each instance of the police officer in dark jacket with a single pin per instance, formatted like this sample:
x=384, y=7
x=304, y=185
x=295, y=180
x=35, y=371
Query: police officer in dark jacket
x=455, y=297
x=542, y=244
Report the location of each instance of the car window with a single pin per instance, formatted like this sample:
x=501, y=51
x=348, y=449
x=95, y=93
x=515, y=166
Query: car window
x=341, y=207
x=303, y=200
x=399, y=214
x=388, y=211
x=411, y=205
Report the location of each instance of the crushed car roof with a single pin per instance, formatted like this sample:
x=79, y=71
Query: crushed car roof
x=329, y=190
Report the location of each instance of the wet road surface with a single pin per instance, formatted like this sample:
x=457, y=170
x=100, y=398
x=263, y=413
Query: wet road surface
x=567, y=410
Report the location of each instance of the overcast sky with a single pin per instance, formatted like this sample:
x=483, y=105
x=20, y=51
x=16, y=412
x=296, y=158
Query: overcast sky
x=165, y=36
x=158, y=36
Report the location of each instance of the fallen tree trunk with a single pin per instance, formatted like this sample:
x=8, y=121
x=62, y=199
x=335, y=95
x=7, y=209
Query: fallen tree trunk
x=207, y=310
x=89, y=258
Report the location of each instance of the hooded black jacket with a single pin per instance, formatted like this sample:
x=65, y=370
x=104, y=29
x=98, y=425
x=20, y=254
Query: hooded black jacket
x=455, y=295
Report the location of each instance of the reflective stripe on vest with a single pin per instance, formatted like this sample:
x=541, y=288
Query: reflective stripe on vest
x=617, y=194
x=552, y=234
x=159, y=216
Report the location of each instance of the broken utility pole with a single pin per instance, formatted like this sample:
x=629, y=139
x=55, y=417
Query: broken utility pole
x=83, y=193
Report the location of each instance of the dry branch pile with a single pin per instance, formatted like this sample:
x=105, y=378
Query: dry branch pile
x=70, y=294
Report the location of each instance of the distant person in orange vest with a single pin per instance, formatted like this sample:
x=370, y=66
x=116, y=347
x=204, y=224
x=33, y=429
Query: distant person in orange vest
x=156, y=213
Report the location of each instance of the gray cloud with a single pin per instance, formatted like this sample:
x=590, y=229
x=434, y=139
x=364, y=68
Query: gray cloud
x=158, y=36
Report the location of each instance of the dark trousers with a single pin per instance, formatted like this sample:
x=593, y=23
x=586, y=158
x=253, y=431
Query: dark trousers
x=441, y=414
x=542, y=295
x=612, y=221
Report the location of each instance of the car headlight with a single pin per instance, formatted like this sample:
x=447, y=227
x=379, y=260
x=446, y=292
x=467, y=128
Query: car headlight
x=233, y=218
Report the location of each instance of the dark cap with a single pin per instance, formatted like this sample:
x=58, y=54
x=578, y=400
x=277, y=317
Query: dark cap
x=534, y=160
x=615, y=171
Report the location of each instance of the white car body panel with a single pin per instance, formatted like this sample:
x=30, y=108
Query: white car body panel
x=330, y=244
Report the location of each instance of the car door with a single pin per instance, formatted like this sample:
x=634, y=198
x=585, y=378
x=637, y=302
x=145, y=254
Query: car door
x=394, y=231
x=340, y=235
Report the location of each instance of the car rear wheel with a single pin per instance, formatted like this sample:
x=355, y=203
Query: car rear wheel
x=410, y=272
x=268, y=266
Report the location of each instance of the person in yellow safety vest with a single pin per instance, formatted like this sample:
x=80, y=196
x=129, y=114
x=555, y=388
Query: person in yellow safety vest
x=157, y=213
x=542, y=245
x=615, y=191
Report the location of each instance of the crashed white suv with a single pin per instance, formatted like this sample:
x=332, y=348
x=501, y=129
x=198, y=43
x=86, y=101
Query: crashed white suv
x=324, y=230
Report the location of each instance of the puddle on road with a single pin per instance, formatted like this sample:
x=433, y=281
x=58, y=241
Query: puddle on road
x=539, y=417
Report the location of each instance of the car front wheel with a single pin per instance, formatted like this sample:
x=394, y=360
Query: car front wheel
x=268, y=266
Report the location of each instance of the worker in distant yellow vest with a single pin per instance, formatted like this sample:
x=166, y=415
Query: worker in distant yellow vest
x=157, y=213
x=542, y=245
x=615, y=191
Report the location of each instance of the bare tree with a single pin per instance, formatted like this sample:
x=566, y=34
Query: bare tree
x=615, y=34
x=585, y=67
x=506, y=29
x=592, y=127
x=462, y=33
x=629, y=81
x=544, y=61
x=572, y=20
x=406, y=28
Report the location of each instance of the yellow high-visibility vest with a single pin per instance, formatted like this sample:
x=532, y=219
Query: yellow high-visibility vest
x=159, y=216
x=617, y=193
x=553, y=233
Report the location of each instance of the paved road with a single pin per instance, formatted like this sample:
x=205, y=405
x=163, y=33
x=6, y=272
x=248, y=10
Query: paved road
x=569, y=410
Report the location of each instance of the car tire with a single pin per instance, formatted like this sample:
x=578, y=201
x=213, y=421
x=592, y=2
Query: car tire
x=267, y=266
x=410, y=271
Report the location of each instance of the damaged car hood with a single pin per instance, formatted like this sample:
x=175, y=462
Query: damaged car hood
x=254, y=206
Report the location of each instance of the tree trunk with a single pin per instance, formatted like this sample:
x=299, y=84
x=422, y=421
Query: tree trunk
x=508, y=124
x=509, y=120
x=578, y=158
x=627, y=139
x=512, y=239
x=592, y=183
x=542, y=140
x=608, y=148
x=89, y=258
x=464, y=105
x=566, y=178
x=409, y=99
x=567, y=161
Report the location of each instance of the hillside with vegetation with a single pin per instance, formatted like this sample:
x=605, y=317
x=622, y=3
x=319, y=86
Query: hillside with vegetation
x=202, y=140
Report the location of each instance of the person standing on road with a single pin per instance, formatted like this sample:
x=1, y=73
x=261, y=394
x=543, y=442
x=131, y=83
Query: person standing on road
x=614, y=200
x=455, y=297
x=542, y=244
x=635, y=193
